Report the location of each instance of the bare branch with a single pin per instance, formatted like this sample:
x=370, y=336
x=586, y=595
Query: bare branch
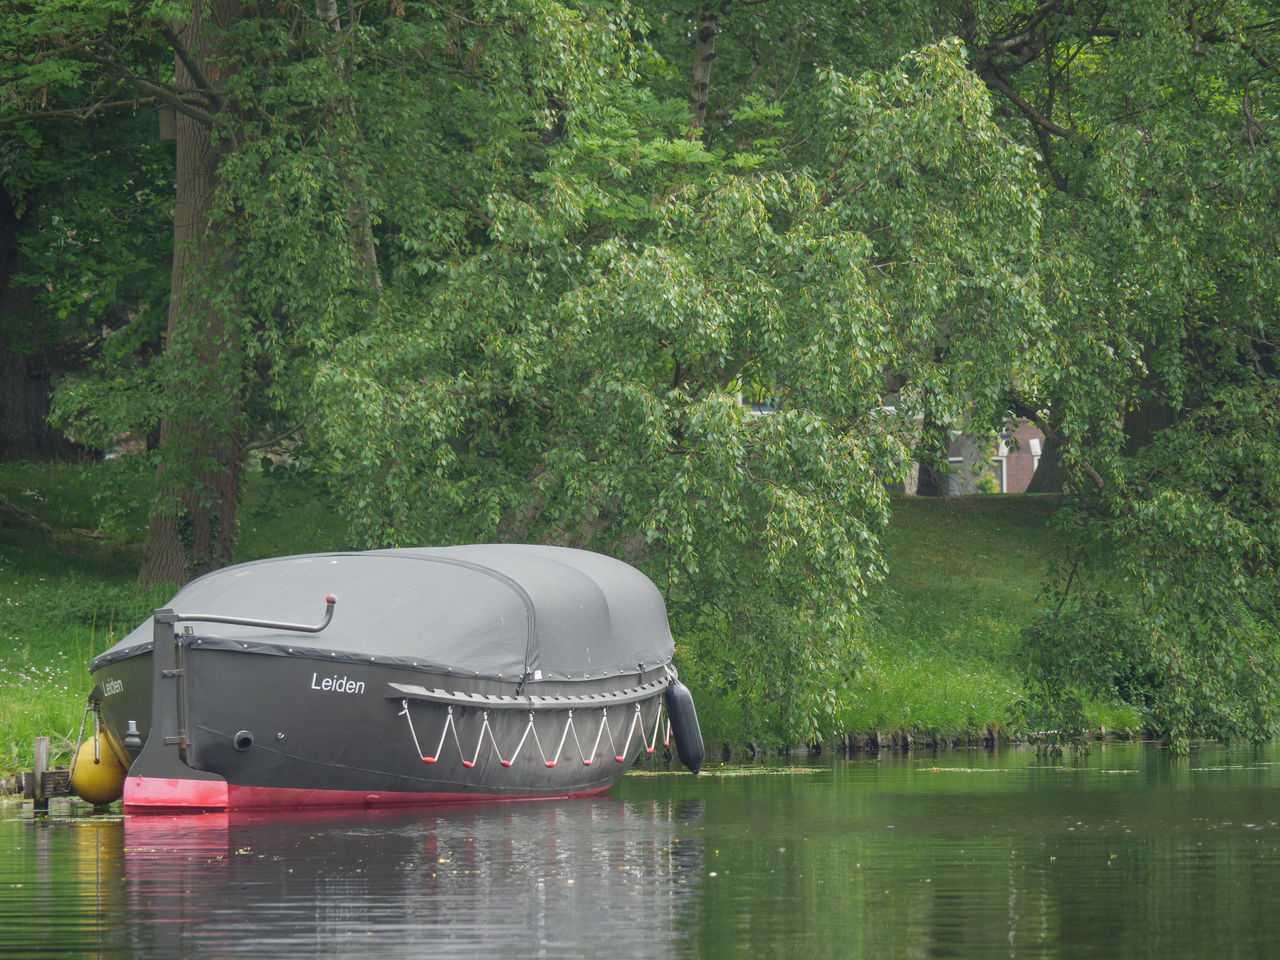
x=1025, y=35
x=275, y=441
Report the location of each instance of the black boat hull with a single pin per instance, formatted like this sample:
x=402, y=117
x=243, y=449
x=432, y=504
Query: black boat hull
x=263, y=731
x=482, y=671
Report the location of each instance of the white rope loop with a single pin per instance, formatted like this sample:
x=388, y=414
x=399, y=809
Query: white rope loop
x=486, y=730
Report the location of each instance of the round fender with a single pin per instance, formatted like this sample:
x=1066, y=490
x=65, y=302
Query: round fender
x=684, y=725
x=97, y=775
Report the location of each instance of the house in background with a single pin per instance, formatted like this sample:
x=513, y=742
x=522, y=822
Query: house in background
x=1002, y=463
x=999, y=463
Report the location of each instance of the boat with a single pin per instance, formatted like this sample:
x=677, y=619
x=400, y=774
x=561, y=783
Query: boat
x=399, y=676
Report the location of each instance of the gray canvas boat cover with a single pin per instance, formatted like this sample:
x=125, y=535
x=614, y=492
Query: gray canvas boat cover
x=492, y=611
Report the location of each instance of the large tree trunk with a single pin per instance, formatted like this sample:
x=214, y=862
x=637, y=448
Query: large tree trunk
x=192, y=528
x=26, y=386
x=931, y=457
x=1050, y=473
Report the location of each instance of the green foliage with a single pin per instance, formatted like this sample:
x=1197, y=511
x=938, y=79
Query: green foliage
x=1185, y=623
x=576, y=384
x=1161, y=237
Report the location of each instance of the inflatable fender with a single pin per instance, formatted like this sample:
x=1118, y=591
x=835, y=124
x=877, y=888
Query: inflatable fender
x=684, y=725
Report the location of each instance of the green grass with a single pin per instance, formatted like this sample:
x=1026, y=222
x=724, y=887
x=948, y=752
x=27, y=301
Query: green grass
x=67, y=597
x=965, y=576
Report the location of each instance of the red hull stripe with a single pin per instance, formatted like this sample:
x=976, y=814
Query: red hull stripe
x=156, y=795
x=161, y=793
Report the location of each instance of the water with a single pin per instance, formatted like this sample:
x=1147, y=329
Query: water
x=1123, y=853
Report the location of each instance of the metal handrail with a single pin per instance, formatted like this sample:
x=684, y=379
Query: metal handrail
x=330, y=600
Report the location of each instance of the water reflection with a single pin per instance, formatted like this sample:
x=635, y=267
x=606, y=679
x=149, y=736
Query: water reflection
x=553, y=878
x=967, y=854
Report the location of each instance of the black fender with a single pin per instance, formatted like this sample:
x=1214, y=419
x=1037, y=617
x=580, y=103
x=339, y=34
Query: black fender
x=684, y=725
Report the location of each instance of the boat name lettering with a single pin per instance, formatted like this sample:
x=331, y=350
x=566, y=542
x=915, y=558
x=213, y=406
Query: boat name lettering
x=112, y=686
x=336, y=684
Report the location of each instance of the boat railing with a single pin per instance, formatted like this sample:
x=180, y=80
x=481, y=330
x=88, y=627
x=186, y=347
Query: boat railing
x=491, y=701
x=329, y=601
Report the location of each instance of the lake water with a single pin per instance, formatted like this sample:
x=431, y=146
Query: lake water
x=1122, y=853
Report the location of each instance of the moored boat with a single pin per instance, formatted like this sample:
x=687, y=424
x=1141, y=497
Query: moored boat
x=497, y=671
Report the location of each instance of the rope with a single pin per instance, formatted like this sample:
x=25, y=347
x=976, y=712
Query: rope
x=486, y=730
x=480, y=742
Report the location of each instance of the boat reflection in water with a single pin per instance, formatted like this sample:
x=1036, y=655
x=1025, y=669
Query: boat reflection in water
x=564, y=878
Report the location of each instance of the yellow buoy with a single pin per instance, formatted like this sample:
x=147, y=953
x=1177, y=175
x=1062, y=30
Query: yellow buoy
x=98, y=779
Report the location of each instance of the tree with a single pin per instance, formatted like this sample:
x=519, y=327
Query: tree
x=576, y=379
x=192, y=528
x=1155, y=125
x=25, y=367
x=101, y=47
x=82, y=213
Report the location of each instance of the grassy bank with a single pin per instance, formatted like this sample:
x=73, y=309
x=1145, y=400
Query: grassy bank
x=965, y=578
x=67, y=592
x=942, y=667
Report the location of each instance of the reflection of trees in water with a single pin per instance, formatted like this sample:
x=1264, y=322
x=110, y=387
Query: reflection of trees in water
x=413, y=882
x=1117, y=854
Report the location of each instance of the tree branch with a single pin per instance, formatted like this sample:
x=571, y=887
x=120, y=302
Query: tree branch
x=172, y=99
x=454, y=189
x=1019, y=408
x=8, y=507
x=1024, y=36
x=193, y=68
x=79, y=113
x=997, y=83
x=267, y=444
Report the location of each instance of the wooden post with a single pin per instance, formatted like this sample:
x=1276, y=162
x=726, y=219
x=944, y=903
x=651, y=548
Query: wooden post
x=40, y=803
